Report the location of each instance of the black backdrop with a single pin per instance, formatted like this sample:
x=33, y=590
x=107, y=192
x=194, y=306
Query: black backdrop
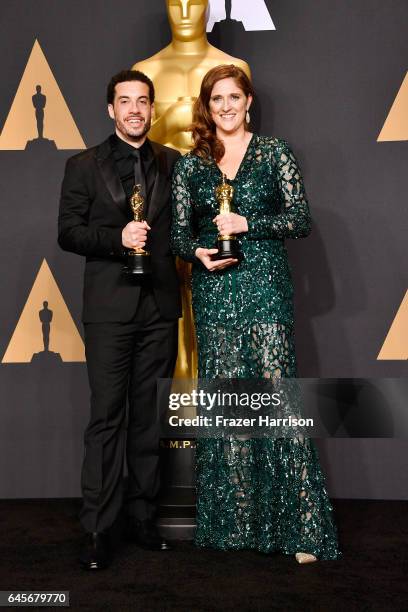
x=326, y=80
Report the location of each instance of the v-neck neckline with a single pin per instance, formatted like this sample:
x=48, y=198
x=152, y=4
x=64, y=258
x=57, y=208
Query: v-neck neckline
x=241, y=165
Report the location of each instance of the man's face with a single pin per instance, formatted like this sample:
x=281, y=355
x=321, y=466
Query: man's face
x=131, y=111
x=187, y=18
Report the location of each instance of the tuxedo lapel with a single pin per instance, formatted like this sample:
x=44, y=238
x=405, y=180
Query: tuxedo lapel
x=157, y=200
x=106, y=164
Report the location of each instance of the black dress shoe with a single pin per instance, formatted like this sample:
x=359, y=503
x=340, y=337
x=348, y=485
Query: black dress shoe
x=96, y=553
x=145, y=535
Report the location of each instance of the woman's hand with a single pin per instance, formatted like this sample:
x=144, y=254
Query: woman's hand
x=204, y=255
x=231, y=223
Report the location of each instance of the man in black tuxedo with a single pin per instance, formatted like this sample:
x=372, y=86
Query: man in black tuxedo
x=130, y=324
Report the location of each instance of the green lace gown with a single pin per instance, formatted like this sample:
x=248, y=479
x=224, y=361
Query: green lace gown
x=267, y=494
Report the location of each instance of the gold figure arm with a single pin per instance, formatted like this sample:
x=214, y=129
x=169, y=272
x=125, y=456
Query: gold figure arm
x=177, y=117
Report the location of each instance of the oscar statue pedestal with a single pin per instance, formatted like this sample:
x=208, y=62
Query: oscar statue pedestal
x=177, y=513
x=177, y=505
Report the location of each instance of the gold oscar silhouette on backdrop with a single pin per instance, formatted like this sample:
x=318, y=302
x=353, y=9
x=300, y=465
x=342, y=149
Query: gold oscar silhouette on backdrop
x=51, y=125
x=42, y=334
x=177, y=72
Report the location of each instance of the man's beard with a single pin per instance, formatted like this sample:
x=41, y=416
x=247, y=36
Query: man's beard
x=123, y=129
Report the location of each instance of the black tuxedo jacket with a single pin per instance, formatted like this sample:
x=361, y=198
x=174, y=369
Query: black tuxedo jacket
x=93, y=213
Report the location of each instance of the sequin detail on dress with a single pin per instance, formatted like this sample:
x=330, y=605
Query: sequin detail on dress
x=267, y=494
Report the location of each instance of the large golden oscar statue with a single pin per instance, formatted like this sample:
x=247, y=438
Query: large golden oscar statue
x=177, y=72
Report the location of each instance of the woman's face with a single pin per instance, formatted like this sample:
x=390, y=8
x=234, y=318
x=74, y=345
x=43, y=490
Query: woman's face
x=228, y=105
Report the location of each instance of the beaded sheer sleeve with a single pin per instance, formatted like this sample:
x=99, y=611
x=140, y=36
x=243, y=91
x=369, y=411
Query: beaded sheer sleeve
x=294, y=220
x=184, y=243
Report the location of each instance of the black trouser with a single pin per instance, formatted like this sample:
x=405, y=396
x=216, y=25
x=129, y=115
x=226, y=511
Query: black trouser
x=125, y=360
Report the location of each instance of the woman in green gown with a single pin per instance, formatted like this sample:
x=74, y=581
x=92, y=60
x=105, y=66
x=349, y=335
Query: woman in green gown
x=268, y=493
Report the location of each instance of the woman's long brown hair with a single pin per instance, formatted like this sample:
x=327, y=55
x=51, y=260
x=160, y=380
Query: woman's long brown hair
x=205, y=140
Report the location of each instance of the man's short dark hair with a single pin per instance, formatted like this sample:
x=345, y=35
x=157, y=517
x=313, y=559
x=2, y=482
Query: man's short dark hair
x=128, y=75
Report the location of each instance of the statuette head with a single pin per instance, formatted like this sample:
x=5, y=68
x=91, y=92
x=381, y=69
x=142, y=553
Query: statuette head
x=187, y=18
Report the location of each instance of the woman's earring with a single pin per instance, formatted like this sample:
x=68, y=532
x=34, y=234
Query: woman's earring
x=248, y=117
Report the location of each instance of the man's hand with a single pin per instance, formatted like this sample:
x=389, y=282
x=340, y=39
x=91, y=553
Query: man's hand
x=134, y=234
x=204, y=255
x=231, y=223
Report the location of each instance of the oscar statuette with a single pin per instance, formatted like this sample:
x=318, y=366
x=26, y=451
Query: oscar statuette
x=138, y=261
x=227, y=245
